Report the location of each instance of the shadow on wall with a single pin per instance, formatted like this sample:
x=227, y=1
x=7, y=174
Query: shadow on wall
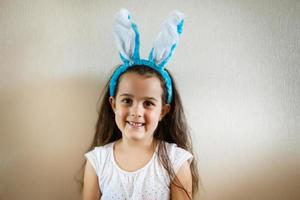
x=45, y=129
x=279, y=180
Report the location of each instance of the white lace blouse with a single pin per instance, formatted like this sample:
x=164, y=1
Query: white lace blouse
x=148, y=183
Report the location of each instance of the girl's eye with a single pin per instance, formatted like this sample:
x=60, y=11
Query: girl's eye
x=126, y=101
x=148, y=103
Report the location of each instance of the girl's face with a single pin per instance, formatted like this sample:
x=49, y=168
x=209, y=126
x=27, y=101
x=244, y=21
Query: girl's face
x=138, y=106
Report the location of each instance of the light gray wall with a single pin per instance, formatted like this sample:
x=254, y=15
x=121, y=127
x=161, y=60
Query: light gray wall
x=237, y=68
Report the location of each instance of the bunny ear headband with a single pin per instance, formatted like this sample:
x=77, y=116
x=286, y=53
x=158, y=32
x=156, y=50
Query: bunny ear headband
x=128, y=43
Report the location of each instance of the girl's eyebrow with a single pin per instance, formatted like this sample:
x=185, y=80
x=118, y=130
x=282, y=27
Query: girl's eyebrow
x=130, y=95
x=151, y=98
x=126, y=94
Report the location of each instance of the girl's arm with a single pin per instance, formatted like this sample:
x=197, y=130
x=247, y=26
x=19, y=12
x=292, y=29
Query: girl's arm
x=91, y=189
x=185, y=177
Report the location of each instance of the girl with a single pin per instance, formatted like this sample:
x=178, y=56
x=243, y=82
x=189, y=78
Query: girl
x=142, y=148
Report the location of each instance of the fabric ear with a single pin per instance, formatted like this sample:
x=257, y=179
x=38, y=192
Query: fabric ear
x=126, y=36
x=167, y=39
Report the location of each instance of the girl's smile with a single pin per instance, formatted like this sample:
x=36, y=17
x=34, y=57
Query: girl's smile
x=136, y=124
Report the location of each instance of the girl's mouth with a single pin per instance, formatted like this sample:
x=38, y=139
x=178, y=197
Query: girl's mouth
x=135, y=124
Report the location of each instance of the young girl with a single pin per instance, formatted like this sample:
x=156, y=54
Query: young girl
x=142, y=148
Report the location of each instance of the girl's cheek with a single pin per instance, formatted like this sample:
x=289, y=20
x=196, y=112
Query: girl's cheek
x=154, y=115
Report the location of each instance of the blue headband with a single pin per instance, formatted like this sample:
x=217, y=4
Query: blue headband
x=128, y=43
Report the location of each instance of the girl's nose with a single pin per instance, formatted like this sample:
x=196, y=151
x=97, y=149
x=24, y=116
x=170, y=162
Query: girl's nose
x=135, y=115
x=136, y=111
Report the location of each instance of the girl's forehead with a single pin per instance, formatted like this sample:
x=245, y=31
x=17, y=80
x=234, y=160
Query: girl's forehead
x=140, y=85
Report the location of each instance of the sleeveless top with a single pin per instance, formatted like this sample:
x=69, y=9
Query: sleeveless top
x=150, y=182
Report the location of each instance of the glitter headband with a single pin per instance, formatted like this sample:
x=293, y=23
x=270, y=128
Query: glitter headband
x=128, y=42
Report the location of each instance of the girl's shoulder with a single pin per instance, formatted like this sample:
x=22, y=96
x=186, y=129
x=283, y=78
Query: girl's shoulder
x=177, y=155
x=99, y=156
x=174, y=148
x=105, y=147
x=102, y=149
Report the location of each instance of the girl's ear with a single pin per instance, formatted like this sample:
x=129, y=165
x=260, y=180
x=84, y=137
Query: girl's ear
x=164, y=110
x=112, y=102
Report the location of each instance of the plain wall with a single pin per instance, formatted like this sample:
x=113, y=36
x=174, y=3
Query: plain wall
x=236, y=66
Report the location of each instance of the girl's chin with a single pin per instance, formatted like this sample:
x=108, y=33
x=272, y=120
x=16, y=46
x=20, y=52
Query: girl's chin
x=135, y=135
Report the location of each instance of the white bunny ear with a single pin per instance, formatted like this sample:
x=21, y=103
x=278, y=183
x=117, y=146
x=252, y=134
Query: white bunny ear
x=126, y=36
x=167, y=39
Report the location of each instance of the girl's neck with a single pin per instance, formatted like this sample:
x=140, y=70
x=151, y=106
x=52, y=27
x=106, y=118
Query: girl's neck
x=133, y=145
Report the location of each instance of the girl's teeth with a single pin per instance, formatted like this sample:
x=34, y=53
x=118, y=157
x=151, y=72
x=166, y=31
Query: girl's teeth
x=135, y=124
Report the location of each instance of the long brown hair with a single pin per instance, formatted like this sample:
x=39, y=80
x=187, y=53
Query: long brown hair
x=172, y=128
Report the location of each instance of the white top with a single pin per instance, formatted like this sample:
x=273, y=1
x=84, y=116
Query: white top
x=148, y=183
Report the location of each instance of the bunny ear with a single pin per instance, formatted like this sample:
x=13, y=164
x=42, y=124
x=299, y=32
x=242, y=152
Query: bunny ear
x=126, y=36
x=167, y=39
